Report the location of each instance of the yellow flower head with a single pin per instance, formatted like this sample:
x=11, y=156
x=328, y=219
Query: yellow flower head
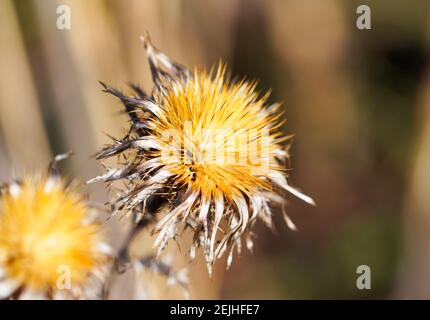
x=222, y=132
x=201, y=150
x=49, y=246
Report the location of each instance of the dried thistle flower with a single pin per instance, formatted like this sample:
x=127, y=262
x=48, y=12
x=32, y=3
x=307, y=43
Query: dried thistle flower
x=50, y=245
x=205, y=150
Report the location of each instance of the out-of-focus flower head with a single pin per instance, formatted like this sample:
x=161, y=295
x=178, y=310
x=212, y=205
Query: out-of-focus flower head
x=51, y=246
x=203, y=152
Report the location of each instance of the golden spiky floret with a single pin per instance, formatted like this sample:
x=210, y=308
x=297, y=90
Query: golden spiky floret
x=50, y=245
x=203, y=152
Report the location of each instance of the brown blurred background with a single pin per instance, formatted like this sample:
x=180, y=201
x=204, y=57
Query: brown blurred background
x=358, y=100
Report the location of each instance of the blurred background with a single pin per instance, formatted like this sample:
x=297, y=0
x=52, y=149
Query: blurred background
x=358, y=101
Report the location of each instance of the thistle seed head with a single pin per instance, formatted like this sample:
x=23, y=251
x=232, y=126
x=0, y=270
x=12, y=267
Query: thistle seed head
x=202, y=152
x=50, y=245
